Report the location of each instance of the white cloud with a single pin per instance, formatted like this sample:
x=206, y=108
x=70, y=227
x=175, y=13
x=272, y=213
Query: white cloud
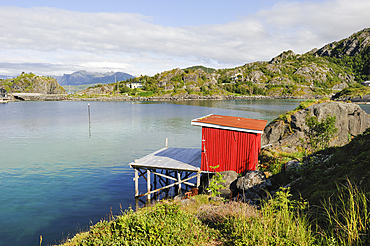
x=60, y=41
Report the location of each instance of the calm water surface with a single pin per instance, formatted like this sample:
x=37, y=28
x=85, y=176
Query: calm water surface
x=59, y=175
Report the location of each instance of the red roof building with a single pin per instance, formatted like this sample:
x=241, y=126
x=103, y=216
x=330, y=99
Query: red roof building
x=231, y=143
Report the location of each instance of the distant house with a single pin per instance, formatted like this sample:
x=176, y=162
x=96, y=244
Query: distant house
x=134, y=85
x=3, y=93
x=366, y=83
x=236, y=77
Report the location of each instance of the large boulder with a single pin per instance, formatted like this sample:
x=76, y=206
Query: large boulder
x=253, y=185
x=252, y=181
x=230, y=178
x=351, y=120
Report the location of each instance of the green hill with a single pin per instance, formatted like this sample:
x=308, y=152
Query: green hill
x=32, y=83
x=323, y=71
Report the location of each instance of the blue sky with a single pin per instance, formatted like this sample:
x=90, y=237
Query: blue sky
x=163, y=12
x=148, y=37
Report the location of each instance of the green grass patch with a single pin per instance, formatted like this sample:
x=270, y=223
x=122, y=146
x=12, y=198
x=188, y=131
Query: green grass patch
x=146, y=94
x=163, y=224
x=305, y=104
x=278, y=222
x=354, y=91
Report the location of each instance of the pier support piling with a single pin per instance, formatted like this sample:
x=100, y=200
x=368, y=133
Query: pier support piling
x=165, y=169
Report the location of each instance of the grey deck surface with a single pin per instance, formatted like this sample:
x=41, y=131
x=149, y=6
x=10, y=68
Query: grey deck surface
x=171, y=158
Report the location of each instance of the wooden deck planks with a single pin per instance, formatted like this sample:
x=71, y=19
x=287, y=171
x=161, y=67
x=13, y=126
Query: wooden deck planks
x=183, y=159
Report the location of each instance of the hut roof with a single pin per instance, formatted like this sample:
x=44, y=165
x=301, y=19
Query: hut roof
x=231, y=123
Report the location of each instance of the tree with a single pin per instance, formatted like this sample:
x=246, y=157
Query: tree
x=320, y=134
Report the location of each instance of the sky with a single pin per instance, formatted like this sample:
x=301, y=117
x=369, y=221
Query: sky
x=145, y=37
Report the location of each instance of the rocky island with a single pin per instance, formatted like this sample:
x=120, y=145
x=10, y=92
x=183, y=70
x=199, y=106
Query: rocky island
x=32, y=87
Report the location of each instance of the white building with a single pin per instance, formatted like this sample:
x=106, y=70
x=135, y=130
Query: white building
x=134, y=85
x=366, y=83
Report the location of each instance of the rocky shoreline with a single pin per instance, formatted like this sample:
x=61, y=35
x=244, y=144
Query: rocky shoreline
x=66, y=97
x=103, y=97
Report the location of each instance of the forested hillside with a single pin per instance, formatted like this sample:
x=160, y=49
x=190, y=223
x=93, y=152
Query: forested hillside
x=318, y=72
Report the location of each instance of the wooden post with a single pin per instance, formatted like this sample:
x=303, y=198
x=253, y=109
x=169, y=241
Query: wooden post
x=176, y=186
x=136, y=182
x=167, y=183
x=137, y=205
x=187, y=174
x=148, y=183
x=179, y=180
x=155, y=183
x=88, y=109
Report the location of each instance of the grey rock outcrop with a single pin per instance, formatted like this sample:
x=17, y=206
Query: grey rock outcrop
x=256, y=77
x=230, y=178
x=249, y=188
x=292, y=165
x=252, y=182
x=351, y=46
x=283, y=56
x=351, y=120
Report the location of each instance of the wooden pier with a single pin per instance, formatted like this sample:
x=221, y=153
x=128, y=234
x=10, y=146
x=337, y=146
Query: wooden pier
x=170, y=167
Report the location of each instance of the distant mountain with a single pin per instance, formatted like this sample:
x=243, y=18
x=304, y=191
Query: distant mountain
x=82, y=77
x=6, y=77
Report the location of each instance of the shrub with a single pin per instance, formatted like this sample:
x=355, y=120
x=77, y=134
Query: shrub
x=319, y=134
x=279, y=222
x=163, y=224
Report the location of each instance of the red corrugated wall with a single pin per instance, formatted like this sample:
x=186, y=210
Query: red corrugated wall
x=230, y=150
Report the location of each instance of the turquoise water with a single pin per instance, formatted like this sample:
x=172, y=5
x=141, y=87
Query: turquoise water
x=58, y=174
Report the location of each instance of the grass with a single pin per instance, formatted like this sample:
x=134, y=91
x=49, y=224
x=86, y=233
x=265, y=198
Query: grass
x=146, y=94
x=336, y=182
x=347, y=216
x=163, y=224
x=274, y=160
x=278, y=222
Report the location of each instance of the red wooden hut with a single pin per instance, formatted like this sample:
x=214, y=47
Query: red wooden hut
x=231, y=143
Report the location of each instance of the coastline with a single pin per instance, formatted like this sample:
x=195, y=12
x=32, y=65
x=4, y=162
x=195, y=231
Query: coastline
x=65, y=97
x=17, y=97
